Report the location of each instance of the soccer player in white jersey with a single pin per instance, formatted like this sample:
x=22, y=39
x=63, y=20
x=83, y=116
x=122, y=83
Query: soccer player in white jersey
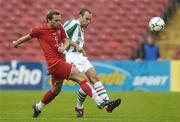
x=76, y=55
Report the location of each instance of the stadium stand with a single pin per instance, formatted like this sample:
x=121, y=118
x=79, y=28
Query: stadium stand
x=169, y=38
x=116, y=29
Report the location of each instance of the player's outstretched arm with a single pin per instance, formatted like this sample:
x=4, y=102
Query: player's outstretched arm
x=21, y=40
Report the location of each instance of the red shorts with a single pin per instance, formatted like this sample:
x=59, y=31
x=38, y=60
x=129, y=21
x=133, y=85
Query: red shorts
x=61, y=71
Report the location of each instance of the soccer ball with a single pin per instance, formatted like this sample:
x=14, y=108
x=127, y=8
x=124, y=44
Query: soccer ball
x=156, y=24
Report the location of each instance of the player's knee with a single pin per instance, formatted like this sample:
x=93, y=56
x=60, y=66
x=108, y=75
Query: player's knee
x=80, y=77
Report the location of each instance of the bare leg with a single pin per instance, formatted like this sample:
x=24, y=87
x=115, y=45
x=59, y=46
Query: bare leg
x=83, y=81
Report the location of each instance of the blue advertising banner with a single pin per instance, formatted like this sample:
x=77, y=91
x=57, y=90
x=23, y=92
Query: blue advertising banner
x=146, y=75
x=21, y=75
x=128, y=76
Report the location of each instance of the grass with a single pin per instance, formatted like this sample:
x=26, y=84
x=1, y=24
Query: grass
x=15, y=106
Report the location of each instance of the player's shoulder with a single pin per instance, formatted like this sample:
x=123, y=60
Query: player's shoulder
x=40, y=26
x=75, y=21
x=71, y=22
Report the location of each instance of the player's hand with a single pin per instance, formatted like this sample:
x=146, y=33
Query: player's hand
x=15, y=44
x=83, y=52
x=80, y=50
x=61, y=49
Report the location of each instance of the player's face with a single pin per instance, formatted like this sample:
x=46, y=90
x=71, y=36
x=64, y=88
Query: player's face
x=55, y=21
x=85, y=19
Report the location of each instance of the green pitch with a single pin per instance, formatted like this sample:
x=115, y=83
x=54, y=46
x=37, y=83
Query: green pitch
x=15, y=106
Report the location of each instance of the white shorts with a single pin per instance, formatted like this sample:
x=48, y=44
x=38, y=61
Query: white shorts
x=78, y=60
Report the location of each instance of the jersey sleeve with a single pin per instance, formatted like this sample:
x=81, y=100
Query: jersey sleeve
x=34, y=33
x=70, y=26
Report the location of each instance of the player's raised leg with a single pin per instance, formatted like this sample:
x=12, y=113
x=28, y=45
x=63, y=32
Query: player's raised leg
x=100, y=90
x=82, y=80
x=98, y=86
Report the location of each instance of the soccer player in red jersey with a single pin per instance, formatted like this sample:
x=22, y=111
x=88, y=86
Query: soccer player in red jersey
x=53, y=41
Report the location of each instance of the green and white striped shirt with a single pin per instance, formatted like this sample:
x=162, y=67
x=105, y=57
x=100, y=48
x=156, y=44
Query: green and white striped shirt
x=75, y=33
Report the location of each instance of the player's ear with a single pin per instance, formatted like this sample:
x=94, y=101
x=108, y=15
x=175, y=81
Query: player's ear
x=49, y=20
x=80, y=16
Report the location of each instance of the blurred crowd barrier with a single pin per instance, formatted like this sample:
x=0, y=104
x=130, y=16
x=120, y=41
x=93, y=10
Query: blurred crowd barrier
x=116, y=76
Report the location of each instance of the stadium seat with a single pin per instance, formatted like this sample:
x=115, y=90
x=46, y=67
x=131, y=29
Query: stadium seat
x=116, y=24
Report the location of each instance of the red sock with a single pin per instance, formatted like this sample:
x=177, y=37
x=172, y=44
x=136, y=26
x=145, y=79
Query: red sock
x=86, y=88
x=49, y=96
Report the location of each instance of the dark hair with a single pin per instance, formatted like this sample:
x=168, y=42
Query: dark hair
x=51, y=13
x=83, y=10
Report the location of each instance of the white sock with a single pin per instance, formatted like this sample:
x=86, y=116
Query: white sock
x=101, y=91
x=40, y=105
x=98, y=100
x=81, y=98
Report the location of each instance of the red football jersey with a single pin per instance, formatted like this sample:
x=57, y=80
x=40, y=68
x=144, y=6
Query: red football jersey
x=50, y=39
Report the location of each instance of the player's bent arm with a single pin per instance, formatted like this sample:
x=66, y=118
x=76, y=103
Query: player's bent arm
x=71, y=43
x=21, y=40
x=78, y=48
x=62, y=48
